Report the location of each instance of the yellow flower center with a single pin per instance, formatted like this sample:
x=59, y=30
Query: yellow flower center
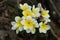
x=43, y=27
x=24, y=7
x=34, y=11
x=27, y=13
x=29, y=23
x=18, y=23
x=45, y=13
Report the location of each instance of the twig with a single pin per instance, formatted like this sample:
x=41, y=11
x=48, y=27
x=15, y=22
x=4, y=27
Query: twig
x=52, y=30
x=54, y=33
x=18, y=2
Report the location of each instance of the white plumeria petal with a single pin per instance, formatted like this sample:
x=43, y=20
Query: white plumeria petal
x=14, y=27
x=40, y=23
x=47, y=20
x=31, y=27
x=37, y=9
x=20, y=28
x=39, y=5
x=29, y=17
x=23, y=18
x=33, y=6
x=17, y=31
x=33, y=32
x=27, y=28
x=25, y=4
x=20, y=5
x=13, y=23
x=24, y=27
x=43, y=31
x=22, y=22
x=16, y=18
x=30, y=7
x=47, y=16
x=38, y=15
x=36, y=23
x=48, y=27
x=34, y=20
x=28, y=31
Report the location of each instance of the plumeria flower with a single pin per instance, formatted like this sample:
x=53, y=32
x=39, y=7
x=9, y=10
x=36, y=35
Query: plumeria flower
x=25, y=6
x=43, y=27
x=45, y=14
x=17, y=24
x=35, y=11
x=34, y=28
x=27, y=13
x=29, y=23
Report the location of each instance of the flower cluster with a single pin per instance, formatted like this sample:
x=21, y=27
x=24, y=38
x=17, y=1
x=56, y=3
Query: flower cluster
x=33, y=17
